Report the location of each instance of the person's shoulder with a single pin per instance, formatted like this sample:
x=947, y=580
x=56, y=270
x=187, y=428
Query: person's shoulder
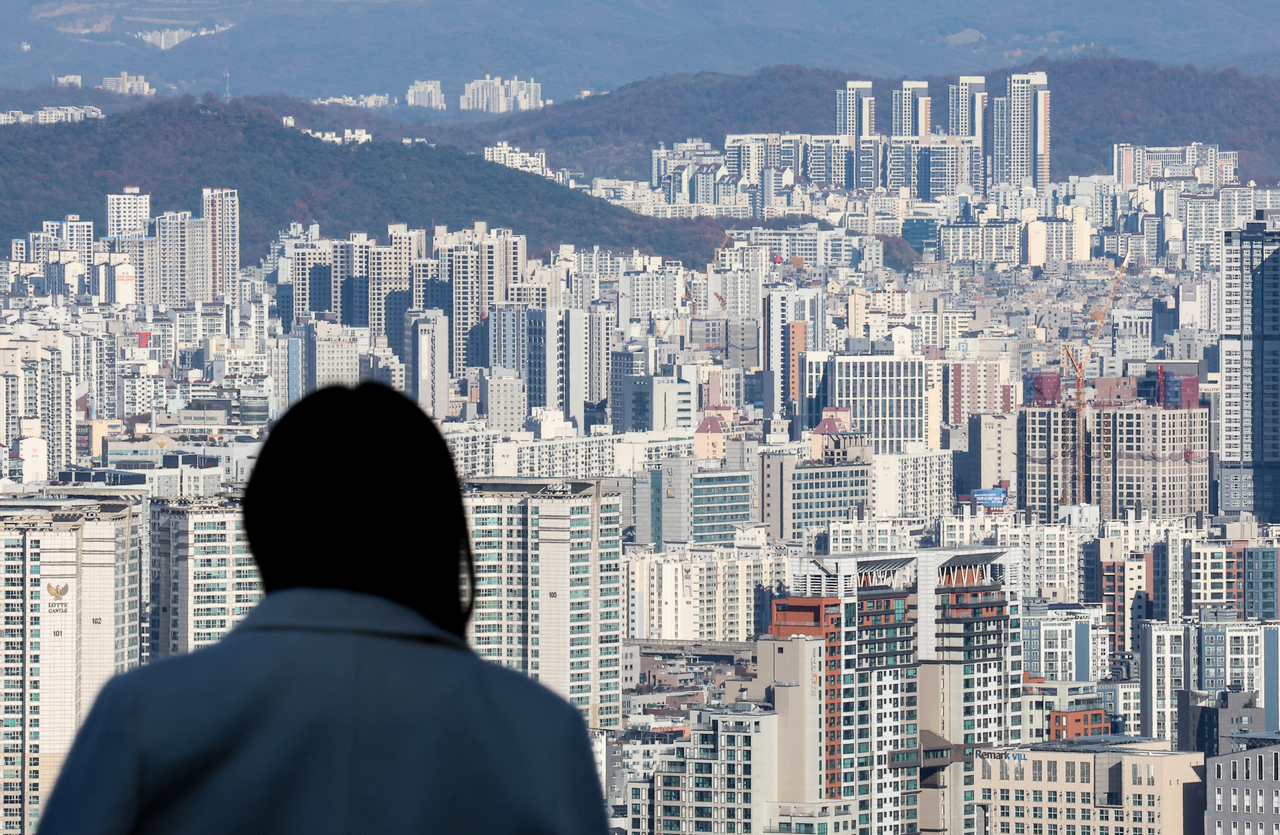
x=523, y=691
x=195, y=671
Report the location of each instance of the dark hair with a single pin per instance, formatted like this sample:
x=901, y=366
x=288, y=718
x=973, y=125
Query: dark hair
x=355, y=489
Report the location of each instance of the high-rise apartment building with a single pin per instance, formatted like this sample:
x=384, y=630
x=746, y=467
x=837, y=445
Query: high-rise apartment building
x=128, y=213
x=222, y=217
x=184, y=275
x=707, y=593
x=493, y=95
x=1046, y=435
x=425, y=94
x=912, y=113
x=1207, y=655
x=556, y=362
x=333, y=356
x=1249, y=405
x=203, y=578
x=1147, y=456
x=426, y=353
x=479, y=264
x=549, y=587
x=856, y=110
x=958, y=679
x=73, y=604
x=967, y=111
x=1021, y=138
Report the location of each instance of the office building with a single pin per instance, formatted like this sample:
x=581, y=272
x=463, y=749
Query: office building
x=677, y=502
x=894, y=399
x=549, y=587
x=799, y=495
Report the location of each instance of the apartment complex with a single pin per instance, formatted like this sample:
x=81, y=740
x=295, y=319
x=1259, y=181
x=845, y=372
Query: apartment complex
x=203, y=577
x=549, y=586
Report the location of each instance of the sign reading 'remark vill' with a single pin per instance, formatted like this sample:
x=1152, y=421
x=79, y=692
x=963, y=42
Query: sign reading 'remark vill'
x=1000, y=755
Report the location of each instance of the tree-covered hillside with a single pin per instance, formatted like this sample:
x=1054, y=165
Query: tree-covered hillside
x=1096, y=101
x=174, y=148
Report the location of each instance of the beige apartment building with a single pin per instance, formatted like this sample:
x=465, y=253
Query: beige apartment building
x=1120, y=786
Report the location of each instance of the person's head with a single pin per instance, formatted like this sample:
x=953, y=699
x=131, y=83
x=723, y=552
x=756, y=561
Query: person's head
x=355, y=489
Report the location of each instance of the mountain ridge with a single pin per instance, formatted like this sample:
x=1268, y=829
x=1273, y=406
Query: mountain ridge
x=173, y=148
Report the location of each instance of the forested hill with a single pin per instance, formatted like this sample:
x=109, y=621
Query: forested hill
x=174, y=148
x=1096, y=101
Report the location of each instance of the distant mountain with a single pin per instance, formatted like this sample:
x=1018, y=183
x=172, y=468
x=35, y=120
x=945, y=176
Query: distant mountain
x=174, y=148
x=1095, y=101
x=316, y=48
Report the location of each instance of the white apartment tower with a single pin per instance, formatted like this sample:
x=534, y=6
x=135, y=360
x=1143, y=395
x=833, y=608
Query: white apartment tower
x=427, y=359
x=128, y=213
x=222, y=215
x=912, y=109
x=856, y=110
x=73, y=597
x=967, y=113
x=425, y=94
x=184, y=269
x=203, y=578
x=549, y=587
x=1021, y=144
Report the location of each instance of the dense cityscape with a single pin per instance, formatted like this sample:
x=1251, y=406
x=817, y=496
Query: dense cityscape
x=938, y=501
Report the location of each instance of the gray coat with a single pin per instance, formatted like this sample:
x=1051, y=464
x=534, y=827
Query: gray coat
x=323, y=712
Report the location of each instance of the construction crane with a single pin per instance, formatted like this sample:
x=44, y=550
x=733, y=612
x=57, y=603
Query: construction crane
x=1076, y=365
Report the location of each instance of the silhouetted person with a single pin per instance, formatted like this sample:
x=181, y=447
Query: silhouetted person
x=347, y=701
